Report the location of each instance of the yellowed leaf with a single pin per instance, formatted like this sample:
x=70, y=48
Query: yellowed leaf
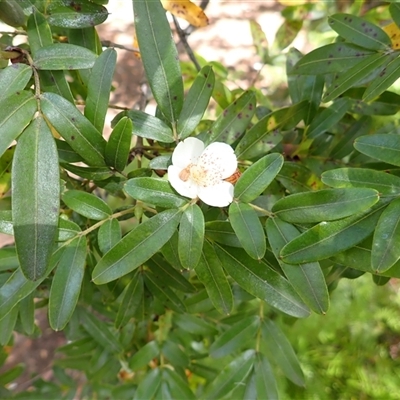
x=393, y=31
x=187, y=10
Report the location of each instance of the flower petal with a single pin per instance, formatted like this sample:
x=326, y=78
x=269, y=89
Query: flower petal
x=219, y=195
x=219, y=157
x=186, y=189
x=187, y=152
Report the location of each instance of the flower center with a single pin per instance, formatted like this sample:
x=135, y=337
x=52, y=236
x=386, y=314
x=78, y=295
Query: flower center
x=200, y=176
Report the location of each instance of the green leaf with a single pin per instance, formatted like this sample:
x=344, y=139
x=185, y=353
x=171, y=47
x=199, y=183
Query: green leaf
x=222, y=232
x=233, y=121
x=248, y=229
x=80, y=134
x=359, y=31
x=7, y=326
x=191, y=236
x=210, y=272
x=324, y=205
x=259, y=280
x=194, y=325
x=154, y=191
x=330, y=59
x=196, y=102
x=76, y=15
x=131, y=299
x=384, y=183
x=149, y=385
x=328, y=117
x=280, y=349
x=99, y=331
x=236, y=371
x=98, y=174
x=257, y=177
x=296, y=178
x=8, y=258
x=363, y=70
x=36, y=198
x=165, y=273
x=16, y=111
x=265, y=379
x=63, y=56
x=144, y=355
x=99, y=88
x=160, y=57
x=14, y=78
x=264, y=135
x=307, y=279
x=383, y=147
x=27, y=314
x=87, y=204
x=329, y=238
x=136, y=247
x=175, y=355
x=287, y=32
x=236, y=337
x=159, y=290
x=385, y=250
x=109, y=235
x=119, y=144
x=66, y=284
x=383, y=81
x=147, y=126
x=180, y=389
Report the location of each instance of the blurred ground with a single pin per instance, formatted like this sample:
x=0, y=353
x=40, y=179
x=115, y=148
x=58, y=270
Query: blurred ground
x=227, y=39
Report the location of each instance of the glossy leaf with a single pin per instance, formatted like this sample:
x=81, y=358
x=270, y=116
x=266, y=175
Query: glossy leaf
x=194, y=325
x=307, y=279
x=67, y=230
x=160, y=57
x=69, y=15
x=261, y=281
x=264, y=135
x=248, y=229
x=236, y=371
x=14, y=78
x=136, y=247
x=167, y=274
x=109, y=235
x=99, y=88
x=383, y=81
x=80, y=134
x=210, y=272
x=329, y=238
x=265, y=379
x=63, y=56
x=164, y=293
x=232, y=122
x=222, y=232
x=149, y=385
x=236, y=337
x=196, y=102
x=350, y=78
x=359, y=31
x=147, y=126
x=385, y=250
x=383, y=182
x=154, y=191
x=8, y=258
x=324, y=205
x=119, y=144
x=36, y=198
x=131, y=300
x=280, y=349
x=145, y=354
x=383, y=147
x=99, y=331
x=180, y=388
x=16, y=111
x=257, y=177
x=191, y=236
x=296, y=178
x=329, y=59
x=66, y=284
x=87, y=204
x=328, y=118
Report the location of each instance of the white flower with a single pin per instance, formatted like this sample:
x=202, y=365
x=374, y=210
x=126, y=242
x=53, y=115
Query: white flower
x=201, y=172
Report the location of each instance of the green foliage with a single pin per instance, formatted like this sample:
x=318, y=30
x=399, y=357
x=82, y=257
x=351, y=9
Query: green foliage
x=161, y=295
